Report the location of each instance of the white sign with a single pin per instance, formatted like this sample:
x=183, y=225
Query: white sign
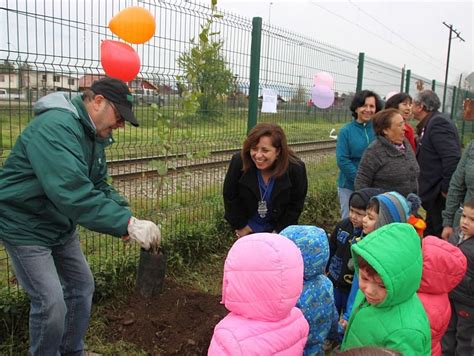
x=270, y=101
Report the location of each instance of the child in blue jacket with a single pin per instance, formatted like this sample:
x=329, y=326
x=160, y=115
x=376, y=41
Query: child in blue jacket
x=343, y=236
x=316, y=301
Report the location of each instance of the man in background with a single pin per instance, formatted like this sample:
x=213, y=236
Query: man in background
x=438, y=153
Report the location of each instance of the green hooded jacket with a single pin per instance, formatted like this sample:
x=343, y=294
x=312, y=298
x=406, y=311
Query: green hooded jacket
x=56, y=177
x=399, y=322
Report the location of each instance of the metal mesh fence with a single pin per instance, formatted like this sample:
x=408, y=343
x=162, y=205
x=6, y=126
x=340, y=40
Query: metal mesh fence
x=53, y=45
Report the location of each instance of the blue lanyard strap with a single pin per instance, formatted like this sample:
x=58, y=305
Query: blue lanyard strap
x=265, y=188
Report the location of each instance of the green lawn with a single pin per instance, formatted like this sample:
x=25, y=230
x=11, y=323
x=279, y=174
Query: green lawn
x=189, y=134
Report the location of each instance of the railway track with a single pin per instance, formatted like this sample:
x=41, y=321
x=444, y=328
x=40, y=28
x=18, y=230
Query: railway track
x=134, y=168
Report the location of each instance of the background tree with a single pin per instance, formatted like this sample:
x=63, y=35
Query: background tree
x=205, y=69
x=6, y=67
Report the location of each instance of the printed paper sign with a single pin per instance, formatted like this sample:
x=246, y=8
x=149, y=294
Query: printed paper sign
x=270, y=101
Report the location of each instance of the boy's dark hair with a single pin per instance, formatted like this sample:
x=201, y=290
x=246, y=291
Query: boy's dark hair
x=469, y=203
x=360, y=198
x=363, y=264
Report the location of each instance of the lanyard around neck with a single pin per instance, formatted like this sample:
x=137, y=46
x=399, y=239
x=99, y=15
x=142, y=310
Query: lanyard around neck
x=264, y=188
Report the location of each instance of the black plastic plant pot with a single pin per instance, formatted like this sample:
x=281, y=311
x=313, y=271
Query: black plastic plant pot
x=151, y=273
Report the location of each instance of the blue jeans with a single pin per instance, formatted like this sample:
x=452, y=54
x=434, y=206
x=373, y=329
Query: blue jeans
x=340, y=300
x=60, y=286
x=344, y=195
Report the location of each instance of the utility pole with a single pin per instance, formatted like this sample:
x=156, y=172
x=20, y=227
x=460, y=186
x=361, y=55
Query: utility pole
x=458, y=35
x=268, y=39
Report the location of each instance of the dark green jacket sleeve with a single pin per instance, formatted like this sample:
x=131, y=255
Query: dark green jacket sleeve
x=457, y=188
x=58, y=160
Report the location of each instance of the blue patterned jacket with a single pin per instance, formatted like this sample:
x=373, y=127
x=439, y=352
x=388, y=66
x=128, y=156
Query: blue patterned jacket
x=316, y=300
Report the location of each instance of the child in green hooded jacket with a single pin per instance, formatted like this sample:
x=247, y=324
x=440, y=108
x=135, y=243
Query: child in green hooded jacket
x=387, y=312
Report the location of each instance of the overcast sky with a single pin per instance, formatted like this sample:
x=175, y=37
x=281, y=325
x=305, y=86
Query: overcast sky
x=399, y=32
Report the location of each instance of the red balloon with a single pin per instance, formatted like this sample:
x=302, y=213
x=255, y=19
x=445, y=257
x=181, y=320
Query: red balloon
x=119, y=60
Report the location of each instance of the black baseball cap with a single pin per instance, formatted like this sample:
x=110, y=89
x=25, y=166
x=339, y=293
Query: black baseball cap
x=118, y=93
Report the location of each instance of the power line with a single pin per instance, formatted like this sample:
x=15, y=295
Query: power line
x=394, y=32
x=414, y=54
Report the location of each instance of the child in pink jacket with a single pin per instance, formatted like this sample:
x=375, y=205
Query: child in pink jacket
x=263, y=279
x=444, y=266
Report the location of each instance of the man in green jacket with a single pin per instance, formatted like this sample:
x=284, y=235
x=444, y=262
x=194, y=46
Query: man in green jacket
x=54, y=179
x=387, y=312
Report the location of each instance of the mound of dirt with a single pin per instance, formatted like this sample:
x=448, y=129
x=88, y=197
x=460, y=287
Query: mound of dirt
x=180, y=321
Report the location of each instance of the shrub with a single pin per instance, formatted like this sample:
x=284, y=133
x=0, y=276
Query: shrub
x=322, y=204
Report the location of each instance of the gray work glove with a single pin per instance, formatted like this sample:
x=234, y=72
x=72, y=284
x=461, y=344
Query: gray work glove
x=145, y=232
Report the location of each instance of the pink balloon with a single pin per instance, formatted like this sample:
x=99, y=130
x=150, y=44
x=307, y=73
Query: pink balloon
x=325, y=79
x=322, y=96
x=390, y=94
x=119, y=60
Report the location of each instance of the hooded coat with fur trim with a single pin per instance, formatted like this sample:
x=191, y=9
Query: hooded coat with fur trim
x=444, y=266
x=399, y=322
x=263, y=279
x=316, y=301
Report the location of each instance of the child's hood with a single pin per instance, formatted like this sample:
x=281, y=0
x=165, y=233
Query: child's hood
x=313, y=244
x=444, y=266
x=394, y=251
x=263, y=277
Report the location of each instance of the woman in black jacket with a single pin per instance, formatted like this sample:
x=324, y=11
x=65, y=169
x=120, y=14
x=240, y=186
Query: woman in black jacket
x=265, y=185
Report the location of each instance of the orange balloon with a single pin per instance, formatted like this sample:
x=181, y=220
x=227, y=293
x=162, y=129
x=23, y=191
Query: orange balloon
x=119, y=60
x=133, y=24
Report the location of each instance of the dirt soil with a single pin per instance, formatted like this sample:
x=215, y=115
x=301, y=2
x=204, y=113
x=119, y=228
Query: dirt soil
x=180, y=321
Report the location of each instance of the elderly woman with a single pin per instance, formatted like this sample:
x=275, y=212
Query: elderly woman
x=265, y=185
x=389, y=162
x=352, y=141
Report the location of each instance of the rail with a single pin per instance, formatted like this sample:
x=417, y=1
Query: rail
x=133, y=168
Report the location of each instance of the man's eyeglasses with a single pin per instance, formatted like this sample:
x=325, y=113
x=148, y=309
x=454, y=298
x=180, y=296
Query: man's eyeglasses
x=118, y=117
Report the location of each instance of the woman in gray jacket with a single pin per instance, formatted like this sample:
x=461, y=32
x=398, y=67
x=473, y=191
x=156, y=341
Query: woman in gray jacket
x=461, y=189
x=389, y=162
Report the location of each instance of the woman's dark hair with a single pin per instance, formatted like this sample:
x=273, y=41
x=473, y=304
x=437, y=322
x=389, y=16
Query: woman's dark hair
x=383, y=119
x=397, y=99
x=278, y=138
x=359, y=100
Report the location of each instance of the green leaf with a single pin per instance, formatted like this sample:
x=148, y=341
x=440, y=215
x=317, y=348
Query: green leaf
x=162, y=169
x=214, y=2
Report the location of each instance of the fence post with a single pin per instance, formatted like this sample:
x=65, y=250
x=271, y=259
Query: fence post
x=407, y=81
x=433, y=85
x=360, y=72
x=462, y=116
x=254, y=72
x=453, y=104
x=402, y=80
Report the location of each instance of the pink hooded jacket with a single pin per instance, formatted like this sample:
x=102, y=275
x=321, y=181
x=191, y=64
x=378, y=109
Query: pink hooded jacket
x=263, y=279
x=444, y=266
